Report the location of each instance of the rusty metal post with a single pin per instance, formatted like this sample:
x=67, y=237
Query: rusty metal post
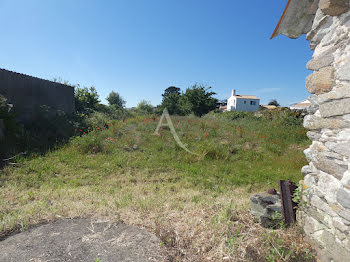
x=287, y=189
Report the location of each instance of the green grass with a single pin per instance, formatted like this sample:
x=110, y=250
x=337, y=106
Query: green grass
x=126, y=171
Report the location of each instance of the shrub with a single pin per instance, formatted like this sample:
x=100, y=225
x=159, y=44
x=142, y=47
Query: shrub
x=92, y=143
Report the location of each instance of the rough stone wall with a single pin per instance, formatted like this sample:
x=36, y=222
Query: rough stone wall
x=326, y=216
x=28, y=93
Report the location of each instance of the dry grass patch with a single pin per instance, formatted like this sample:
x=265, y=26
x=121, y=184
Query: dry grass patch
x=195, y=225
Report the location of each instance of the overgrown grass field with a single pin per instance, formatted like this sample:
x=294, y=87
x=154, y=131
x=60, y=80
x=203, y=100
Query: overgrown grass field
x=198, y=204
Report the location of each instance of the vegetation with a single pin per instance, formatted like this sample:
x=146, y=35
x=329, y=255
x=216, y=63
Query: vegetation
x=197, y=100
x=116, y=100
x=144, y=108
x=197, y=204
x=274, y=102
x=86, y=99
x=170, y=100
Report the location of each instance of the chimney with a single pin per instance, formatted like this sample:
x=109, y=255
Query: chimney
x=233, y=92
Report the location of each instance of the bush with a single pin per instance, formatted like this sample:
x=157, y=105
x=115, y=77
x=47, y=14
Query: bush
x=94, y=142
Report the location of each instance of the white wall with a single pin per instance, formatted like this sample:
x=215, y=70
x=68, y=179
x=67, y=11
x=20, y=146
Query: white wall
x=234, y=104
x=231, y=103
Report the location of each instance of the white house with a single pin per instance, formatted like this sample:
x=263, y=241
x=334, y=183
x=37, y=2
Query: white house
x=242, y=102
x=303, y=105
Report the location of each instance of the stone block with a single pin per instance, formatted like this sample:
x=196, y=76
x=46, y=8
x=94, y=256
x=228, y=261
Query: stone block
x=320, y=81
x=265, y=206
x=313, y=122
x=343, y=198
x=311, y=225
x=328, y=185
x=346, y=178
x=330, y=167
x=313, y=136
x=323, y=60
x=338, y=224
x=334, y=7
x=334, y=247
x=335, y=108
x=340, y=235
x=345, y=214
x=320, y=216
x=342, y=148
x=305, y=170
x=324, y=206
x=343, y=73
x=338, y=92
x=343, y=135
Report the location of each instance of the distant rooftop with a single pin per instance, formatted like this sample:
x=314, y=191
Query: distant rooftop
x=247, y=97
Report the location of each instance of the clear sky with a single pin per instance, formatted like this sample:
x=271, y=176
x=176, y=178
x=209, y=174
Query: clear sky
x=140, y=47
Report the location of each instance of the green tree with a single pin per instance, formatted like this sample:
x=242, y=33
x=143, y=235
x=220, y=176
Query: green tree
x=170, y=100
x=273, y=102
x=170, y=91
x=197, y=99
x=86, y=99
x=115, y=99
x=144, y=108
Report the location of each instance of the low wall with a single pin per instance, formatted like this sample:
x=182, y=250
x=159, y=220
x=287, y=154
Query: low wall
x=28, y=93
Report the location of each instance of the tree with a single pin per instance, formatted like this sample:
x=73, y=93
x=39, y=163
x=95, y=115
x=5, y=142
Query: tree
x=86, y=99
x=170, y=100
x=144, y=107
x=197, y=99
x=115, y=99
x=171, y=90
x=274, y=102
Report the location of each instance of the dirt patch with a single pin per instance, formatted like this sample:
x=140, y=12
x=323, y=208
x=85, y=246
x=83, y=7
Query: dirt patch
x=82, y=240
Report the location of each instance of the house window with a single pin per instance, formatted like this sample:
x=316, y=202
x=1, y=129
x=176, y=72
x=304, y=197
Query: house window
x=253, y=103
x=245, y=102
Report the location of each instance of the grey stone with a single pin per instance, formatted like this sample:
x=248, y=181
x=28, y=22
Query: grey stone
x=340, y=226
x=338, y=92
x=82, y=240
x=322, y=205
x=340, y=148
x=305, y=170
x=311, y=225
x=335, y=108
x=316, y=214
x=265, y=206
x=320, y=28
x=274, y=208
x=343, y=198
x=343, y=73
x=330, y=167
x=320, y=81
x=313, y=122
x=345, y=214
x=334, y=7
x=314, y=104
x=338, y=252
x=314, y=136
x=341, y=236
x=322, y=60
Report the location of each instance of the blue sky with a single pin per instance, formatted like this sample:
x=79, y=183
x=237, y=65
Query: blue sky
x=140, y=47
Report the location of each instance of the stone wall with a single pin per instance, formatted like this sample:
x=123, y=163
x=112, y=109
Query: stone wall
x=28, y=93
x=326, y=216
